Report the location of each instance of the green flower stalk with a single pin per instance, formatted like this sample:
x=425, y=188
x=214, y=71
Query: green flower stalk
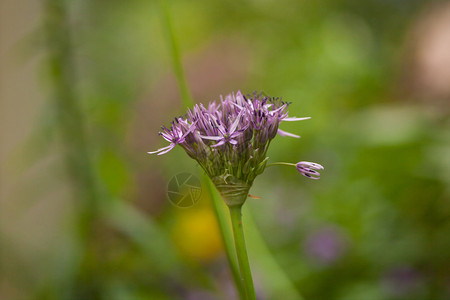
x=230, y=140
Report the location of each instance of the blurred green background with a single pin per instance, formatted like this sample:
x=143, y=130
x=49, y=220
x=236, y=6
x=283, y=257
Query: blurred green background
x=86, y=85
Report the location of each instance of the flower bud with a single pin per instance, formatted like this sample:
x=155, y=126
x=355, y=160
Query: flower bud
x=308, y=169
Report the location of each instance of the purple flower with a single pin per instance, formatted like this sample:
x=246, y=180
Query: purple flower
x=307, y=169
x=326, y=245
x=401, y=281
x=226, y=133
x=230, y=139
x=175, y=135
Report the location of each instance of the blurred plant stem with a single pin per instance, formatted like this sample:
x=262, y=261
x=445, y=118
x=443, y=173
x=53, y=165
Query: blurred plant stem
x=176, y=57
x=70, y=119
x=274, y=276
x=71, y=124
x=94, y=204
x=241, y=251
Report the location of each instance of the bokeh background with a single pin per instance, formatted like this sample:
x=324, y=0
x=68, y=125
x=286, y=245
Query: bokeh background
x=86, y=85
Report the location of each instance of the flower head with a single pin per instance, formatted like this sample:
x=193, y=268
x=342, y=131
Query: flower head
x=230, y=139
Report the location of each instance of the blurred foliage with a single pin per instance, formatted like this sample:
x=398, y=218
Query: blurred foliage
x=377, y=224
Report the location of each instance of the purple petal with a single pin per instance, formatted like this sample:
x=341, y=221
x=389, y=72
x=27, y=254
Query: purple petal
x=237, y=105
x=296, y=119
x=213, y=138
x=163, y=150
x=221, y=129
x=236, y=134
x=219, y=143
x=309, y=176
x=310, y=171
x=167, y=136
x=236, y=122
x=284, y=133
x=191, y=129
x=239, y=95
x=311, y=165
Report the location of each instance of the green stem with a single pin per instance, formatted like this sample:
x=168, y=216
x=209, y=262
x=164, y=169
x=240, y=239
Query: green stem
x=176, y=57
x=280, y=164
x=241, y=251
x=226, y=233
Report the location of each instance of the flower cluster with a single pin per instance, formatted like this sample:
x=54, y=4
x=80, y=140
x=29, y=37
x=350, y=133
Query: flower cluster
x=230, y=140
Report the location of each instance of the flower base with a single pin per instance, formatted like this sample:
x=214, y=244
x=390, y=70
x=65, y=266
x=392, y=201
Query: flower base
x=233, y=191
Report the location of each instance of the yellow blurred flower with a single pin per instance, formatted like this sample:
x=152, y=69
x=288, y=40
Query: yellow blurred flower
x=197, y=235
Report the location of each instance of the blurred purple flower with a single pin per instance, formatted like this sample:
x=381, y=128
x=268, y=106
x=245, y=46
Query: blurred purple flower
x=325, y=246
x=401, y=281
x=200, y=295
